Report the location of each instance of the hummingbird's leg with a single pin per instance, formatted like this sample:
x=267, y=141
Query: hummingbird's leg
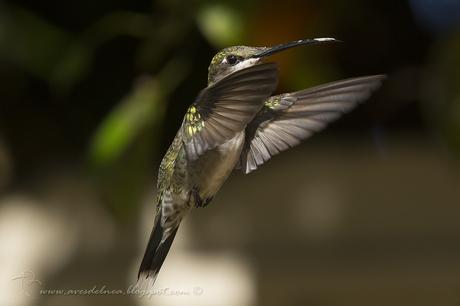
x=206, y=201
x=198, y=201
x=203, y=203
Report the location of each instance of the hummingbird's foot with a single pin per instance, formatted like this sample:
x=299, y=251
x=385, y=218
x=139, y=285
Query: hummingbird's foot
x=203, y=203
x=198, y=201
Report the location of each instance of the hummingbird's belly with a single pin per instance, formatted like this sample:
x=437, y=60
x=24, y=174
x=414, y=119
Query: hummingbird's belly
x=214, y=167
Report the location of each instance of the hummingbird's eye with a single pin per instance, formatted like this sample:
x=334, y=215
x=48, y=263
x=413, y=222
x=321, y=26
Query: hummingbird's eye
x=233, y=59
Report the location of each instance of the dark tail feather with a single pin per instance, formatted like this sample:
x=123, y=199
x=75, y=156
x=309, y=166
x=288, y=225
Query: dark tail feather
x=156, y=252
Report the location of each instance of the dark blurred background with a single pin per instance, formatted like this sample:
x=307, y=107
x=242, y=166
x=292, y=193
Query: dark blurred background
x=365, y=213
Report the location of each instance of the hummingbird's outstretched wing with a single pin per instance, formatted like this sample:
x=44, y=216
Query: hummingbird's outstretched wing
x=225, y=108
x=287, y=119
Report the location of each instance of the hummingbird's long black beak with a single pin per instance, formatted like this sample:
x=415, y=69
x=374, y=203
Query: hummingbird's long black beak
x=281, y=47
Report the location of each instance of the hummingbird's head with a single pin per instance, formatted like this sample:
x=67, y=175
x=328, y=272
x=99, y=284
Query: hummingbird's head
x=235, y=58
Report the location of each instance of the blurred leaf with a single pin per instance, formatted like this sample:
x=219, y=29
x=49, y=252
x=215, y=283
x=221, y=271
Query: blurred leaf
x=170, y=34
x=141, y=109
x=123, y=182
x=440, y=94
x=144, y=106
x=222, y=25
x=71, y=66
x=31, y=42
x=117, y=24
x=127, y=128
x=126, y=139
x=53, y=54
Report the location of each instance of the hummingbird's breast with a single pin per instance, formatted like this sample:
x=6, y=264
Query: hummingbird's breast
x=210, y=171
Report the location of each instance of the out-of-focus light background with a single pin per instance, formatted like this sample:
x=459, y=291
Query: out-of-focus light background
x=365, y=213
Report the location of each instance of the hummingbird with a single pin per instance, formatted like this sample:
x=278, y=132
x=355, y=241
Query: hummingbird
x=236, y=123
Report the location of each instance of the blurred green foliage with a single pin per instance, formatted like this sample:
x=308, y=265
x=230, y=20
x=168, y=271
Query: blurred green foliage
x=440, y=91
x=134, y=113
x=144, y=108
x=41, y=48
x=221, y=25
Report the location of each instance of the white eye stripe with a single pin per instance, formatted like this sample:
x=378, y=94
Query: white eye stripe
x=243, y=64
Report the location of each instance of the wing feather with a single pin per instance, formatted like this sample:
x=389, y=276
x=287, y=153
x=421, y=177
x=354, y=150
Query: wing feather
x=225, y=108
x=288, y=119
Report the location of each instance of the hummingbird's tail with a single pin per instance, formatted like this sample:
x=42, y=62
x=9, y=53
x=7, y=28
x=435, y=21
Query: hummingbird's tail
x=157, y=249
